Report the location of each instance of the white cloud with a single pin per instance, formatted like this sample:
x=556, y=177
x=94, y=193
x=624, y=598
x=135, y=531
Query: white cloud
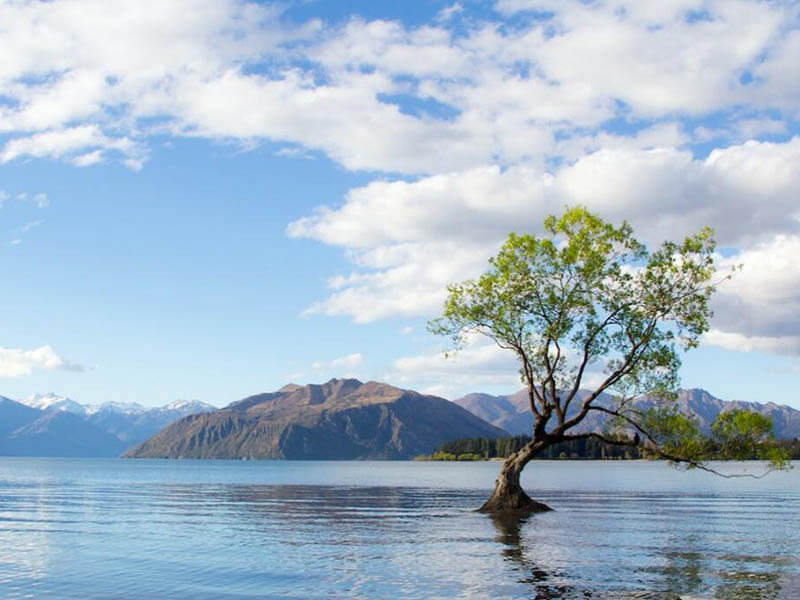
x=88, y=158
x=84, y=74
x=30, y=225
x=479, y=366
x=89, y=81
x=410, y=282
x=778, y=74
x=25, y=229
x=349, y=361
x=759, y=308
x=752, y=128
x=66, y=142
x=15, y=362
x=493, y=126
x=39, y=199
x=655, y=59
x=293, y=152
x=744, y=343
x=408, y=240
x=448, y=12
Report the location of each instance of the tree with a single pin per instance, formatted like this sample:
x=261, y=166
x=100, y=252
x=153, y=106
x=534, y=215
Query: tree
x=588, y=297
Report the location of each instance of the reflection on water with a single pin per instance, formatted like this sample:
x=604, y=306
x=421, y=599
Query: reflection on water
x=125, y=529
x=546, y=585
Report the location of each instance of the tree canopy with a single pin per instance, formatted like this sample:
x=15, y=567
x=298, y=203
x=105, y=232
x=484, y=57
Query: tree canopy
x=587, y=305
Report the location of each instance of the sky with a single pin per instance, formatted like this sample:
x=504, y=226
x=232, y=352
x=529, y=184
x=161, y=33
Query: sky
x=213, y=199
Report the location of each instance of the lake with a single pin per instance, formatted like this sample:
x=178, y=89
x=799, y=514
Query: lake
x=283, y=529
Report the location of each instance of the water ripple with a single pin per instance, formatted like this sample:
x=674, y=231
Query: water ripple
x=161, y=529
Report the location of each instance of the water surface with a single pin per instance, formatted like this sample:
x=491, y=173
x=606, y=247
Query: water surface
x=284, y=529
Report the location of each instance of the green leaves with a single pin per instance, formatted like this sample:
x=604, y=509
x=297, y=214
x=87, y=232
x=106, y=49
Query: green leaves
x=744, y=435
x=673, y=436
x=736, y=435
x=588, y=294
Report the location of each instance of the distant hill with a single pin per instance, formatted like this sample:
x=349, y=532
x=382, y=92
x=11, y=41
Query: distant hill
x=26, y=431
x=52, y=425
x=130, y=422
x=341, y=419
x=14, y=415
x=512, y=413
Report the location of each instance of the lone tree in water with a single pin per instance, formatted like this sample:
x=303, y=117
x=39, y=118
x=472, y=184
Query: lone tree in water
x=588, y=295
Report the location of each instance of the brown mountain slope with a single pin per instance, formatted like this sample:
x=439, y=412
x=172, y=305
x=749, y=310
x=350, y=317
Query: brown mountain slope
x=512, y=413
x=341, y=419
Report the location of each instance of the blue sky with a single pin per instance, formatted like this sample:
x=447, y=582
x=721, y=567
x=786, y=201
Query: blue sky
x=209, y=201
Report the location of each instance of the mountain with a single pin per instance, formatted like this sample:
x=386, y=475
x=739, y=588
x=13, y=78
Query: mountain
x=512, y=413
x=131, y=422
x=506, y=412
x=121, y=408
x=54, y=401
x=52, y=425
x=14, y=415
x=27, y=431
x=341, y=419
x=705, y=408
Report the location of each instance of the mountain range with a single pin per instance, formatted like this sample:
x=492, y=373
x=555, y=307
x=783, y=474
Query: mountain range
x=52, y=425
x=512, y=413
x=340, y=419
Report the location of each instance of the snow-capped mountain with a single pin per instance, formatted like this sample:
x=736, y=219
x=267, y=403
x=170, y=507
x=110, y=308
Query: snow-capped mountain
x=193, y=406
x=122, y=408
x=54, y=402
x=128, y=422
x=133, y=422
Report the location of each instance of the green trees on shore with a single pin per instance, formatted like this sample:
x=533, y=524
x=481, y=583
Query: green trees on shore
x=583, y=449
x=485, y=448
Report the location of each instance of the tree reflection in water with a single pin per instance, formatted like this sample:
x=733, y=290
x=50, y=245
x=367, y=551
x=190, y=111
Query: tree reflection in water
x=686, y=574
x=545, y=584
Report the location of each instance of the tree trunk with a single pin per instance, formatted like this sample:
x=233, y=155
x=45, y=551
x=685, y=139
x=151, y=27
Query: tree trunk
x=508, y=495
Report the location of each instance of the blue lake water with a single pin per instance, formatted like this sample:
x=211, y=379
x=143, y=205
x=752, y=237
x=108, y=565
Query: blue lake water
x=235, y=530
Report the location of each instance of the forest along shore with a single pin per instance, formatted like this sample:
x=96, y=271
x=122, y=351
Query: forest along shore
x=584, y=449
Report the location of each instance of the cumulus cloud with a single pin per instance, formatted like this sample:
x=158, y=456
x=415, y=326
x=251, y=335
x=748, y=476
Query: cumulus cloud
x=343, y=362
x=671, y=114
x=85, y=75
x=408, y=240
x=66, y=142
x=480, y=365
x=16, y=363
x=744, y=343
x=93, y=80
x=759, y=309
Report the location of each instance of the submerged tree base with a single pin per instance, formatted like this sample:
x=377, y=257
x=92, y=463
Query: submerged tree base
x=516, y=503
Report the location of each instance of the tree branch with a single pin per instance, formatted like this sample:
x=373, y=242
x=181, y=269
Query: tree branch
x=630, y=360
x=654, y=448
